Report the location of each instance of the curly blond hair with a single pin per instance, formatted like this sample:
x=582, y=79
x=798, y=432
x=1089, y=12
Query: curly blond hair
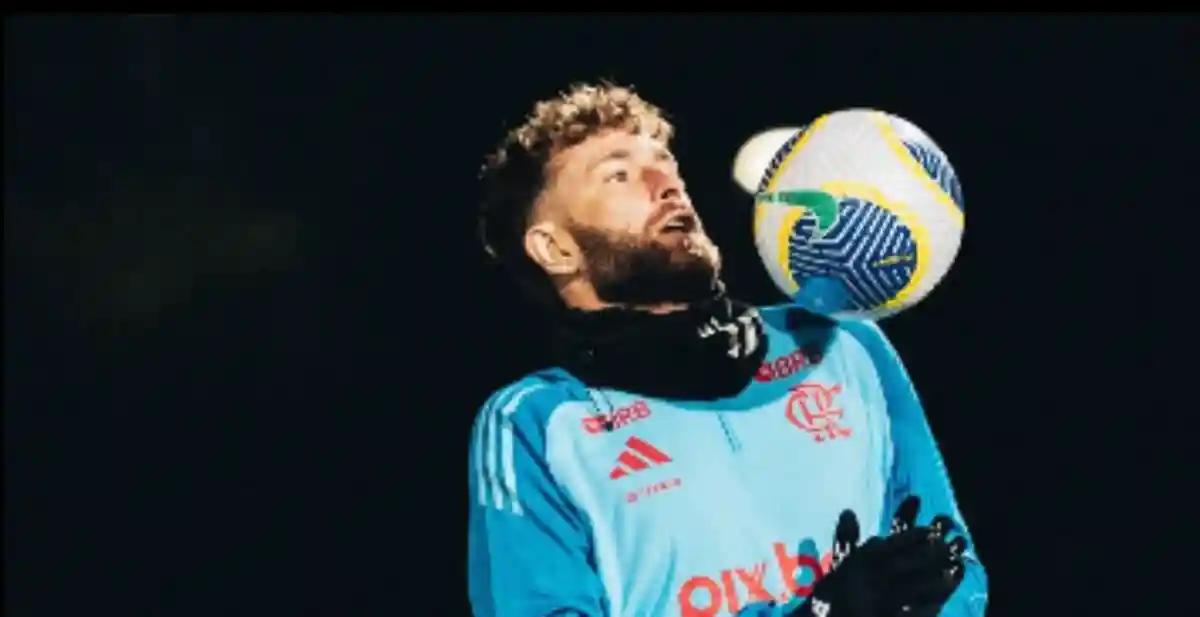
x=516, y=172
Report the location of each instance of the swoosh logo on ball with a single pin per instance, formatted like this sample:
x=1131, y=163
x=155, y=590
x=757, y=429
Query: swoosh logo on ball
x=823, y=205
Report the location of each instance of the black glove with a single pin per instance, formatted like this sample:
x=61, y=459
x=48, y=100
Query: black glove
x=909, y=573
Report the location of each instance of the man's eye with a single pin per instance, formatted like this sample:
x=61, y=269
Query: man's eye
x=619, y=175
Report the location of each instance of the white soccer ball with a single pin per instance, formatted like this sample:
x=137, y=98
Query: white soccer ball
x=755, y=156
x=858, y=214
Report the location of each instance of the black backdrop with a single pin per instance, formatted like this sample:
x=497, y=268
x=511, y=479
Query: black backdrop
x=247, y=327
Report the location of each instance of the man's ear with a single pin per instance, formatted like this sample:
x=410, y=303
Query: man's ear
x=552, y=248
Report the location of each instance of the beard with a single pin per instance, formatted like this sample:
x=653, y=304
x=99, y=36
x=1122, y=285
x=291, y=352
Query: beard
x=633, y=270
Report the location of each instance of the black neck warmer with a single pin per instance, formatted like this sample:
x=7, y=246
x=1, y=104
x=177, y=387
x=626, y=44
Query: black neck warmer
x=708, y=351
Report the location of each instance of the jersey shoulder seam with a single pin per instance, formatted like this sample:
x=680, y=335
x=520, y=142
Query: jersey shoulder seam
x=534, y=397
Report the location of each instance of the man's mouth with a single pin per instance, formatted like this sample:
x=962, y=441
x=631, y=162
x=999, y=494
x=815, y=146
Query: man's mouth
x=680, y=222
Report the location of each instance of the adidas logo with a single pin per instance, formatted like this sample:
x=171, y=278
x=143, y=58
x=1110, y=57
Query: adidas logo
x=639, y=456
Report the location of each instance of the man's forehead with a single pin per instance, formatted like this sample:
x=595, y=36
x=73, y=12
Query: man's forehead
x=610, y=144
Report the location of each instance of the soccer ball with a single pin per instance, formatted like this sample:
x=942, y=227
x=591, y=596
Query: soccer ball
x=858, y=214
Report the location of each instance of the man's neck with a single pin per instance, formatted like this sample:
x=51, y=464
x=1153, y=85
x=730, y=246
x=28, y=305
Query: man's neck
x=584, y=298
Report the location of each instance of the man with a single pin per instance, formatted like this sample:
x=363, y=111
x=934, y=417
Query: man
x=689, y=455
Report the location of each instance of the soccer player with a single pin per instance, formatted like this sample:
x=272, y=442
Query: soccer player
x=688, y=454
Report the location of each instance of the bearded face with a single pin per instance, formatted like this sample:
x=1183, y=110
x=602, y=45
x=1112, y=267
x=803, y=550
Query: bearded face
x=615, y=225
x=637, y=270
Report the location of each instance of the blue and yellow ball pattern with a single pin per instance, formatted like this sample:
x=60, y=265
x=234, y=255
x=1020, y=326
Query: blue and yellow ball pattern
x=859, y=213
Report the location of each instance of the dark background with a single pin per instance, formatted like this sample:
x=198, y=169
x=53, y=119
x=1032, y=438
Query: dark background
x=247, y=326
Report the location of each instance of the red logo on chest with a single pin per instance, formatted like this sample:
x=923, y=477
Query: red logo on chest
x=783, y=366
x=814, y=409
x=624, y=416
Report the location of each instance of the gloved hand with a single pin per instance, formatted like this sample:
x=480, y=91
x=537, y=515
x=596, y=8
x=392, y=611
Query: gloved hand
x=909, y=573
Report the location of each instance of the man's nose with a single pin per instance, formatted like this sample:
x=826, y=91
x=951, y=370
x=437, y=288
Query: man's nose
x=664, y=186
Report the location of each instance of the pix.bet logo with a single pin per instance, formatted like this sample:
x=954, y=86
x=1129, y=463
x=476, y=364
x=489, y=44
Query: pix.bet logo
x=779, y=578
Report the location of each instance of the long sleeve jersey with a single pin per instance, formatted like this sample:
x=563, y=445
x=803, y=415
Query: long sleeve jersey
x=597, y=502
